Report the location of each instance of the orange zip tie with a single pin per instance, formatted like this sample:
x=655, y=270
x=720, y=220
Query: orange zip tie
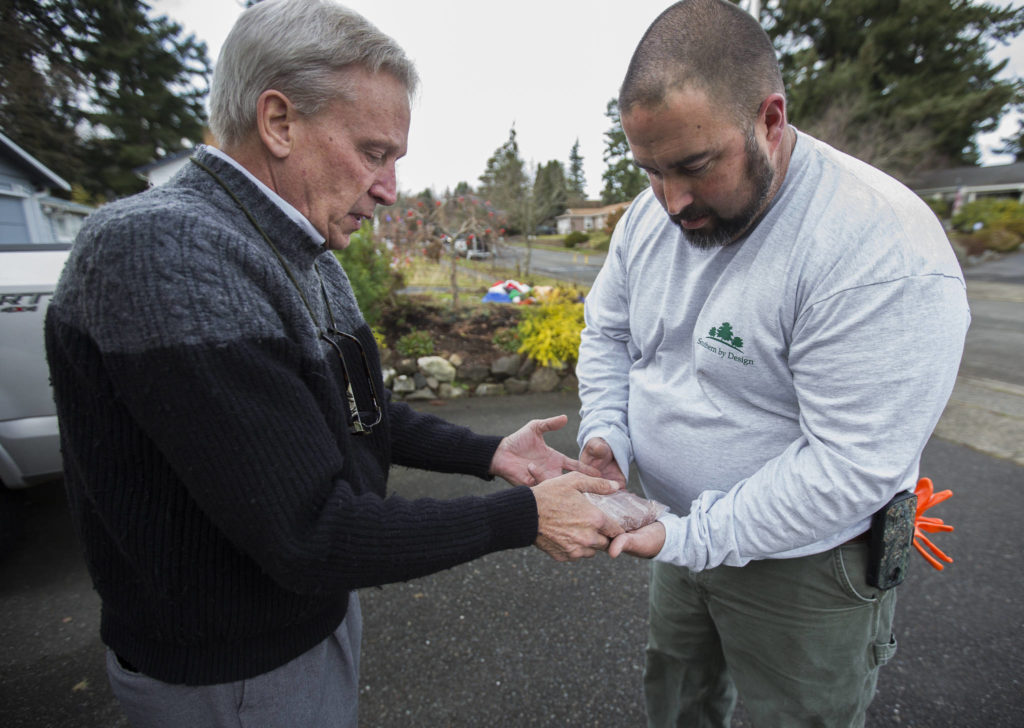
x=926, y=498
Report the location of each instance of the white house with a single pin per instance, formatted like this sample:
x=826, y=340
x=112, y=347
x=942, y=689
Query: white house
x=586, y=219
x=960, y=185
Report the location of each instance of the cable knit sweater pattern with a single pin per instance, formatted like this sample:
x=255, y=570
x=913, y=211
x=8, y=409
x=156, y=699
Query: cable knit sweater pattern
x=225, y=510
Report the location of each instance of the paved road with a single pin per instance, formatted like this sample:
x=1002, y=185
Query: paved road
x=986, y=410
x=580, y=267
x=515, y=639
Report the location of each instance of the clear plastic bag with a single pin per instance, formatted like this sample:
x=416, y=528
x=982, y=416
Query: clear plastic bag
x=629, y=510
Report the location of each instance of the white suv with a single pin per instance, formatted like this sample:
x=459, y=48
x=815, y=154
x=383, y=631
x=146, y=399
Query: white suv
x=29, y=439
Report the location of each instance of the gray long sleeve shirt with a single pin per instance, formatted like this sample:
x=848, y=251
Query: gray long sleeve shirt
x=777, y=391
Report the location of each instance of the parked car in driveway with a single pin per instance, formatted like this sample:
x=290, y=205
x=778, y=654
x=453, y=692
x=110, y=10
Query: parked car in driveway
x=471, y=246
x=29, y=439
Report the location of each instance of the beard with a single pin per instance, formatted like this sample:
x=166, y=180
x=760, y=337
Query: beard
x=721, y=231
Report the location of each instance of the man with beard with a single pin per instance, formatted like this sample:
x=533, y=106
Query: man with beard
x=772, y=355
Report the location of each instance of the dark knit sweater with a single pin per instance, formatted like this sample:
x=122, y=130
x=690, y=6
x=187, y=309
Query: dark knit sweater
x=224, y=508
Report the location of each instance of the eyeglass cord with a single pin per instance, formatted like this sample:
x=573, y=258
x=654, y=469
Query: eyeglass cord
x=280, y=258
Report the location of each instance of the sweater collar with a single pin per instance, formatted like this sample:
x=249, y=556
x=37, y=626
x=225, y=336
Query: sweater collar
x=285, y=225
x=282, y=203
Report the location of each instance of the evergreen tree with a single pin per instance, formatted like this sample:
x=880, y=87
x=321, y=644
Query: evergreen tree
x=577, y=183
x=549, y=191
x=623, y=180
x=1014, y=144
x=39, y=81
x=144, y=99
x=97, y=88
x=504, y=182
x=905, y=85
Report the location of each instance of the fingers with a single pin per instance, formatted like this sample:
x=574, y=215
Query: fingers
x=596, y=452
x=574, y=553
x=569, y=526
x=550, y=424
x=643, y=543
x=587, y=484
x=557, y=465
x=570, y=464
x=618, y=545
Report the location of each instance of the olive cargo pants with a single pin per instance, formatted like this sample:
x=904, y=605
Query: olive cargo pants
x=800, y=640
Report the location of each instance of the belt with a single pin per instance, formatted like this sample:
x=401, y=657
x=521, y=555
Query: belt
x=859, y=538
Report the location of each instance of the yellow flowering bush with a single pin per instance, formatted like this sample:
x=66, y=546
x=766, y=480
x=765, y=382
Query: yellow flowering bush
x=550, y=332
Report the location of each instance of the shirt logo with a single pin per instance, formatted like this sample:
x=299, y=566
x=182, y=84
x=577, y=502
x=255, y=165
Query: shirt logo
x=724, y=334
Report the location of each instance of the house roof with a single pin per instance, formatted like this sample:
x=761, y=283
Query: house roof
x=163, y=161
x=38, y=172
x=587, y=211
x=956, y=177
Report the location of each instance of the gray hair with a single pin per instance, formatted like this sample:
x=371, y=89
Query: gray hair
x=714, y=46
x=297, y=47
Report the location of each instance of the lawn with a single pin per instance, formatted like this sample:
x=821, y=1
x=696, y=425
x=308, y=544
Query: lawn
x=474, y=277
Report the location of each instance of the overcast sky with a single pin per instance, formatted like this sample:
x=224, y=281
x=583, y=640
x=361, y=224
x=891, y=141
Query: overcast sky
x=547, y=66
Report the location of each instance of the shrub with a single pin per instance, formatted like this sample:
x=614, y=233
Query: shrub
x=939, y=206
x=550, y=333
x=1002, y=225
x=507, y=339
x=613, y=219
x=990, y=212
x=415, y=344
x=998, y=239
x=576, y=237
x=368, y=267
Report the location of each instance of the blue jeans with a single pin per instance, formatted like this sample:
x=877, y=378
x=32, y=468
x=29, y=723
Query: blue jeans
x=800, y=640
x=318, y=689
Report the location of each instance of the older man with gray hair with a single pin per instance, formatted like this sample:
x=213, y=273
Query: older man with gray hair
x=226, y=432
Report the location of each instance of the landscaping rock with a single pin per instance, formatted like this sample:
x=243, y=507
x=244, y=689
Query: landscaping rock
x=421, y=394
x=526, y=368
x=544, y=379
x=516, y=386
x=406, y=366
x=456, y=360
x=489, y=389
x=436, y=367
x=403, y=384
x=473, y=372
x=447, y=391
x=506, y=366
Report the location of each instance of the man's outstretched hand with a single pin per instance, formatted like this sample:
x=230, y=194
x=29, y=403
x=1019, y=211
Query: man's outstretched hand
x=569, y=526
x=524, y=458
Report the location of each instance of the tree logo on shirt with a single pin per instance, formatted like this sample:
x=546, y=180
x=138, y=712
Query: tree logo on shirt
x=725, y=335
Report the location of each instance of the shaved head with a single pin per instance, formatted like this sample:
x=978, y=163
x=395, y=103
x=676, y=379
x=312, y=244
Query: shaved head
x=710, y=45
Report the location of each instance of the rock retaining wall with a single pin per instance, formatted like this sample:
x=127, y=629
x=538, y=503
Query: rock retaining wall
x=437, y=377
